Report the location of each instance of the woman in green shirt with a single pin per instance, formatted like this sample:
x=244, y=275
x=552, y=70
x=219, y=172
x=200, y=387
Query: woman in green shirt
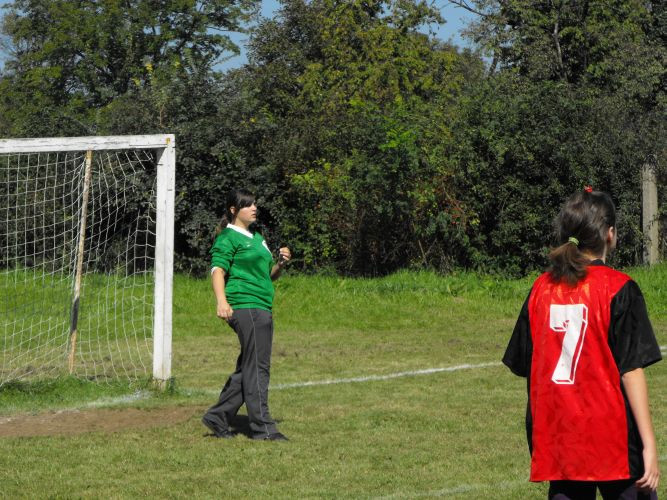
x=242, y=271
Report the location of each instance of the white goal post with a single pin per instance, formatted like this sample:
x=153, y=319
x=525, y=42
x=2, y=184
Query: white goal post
x=49, y=185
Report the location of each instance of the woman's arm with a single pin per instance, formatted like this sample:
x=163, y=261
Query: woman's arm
x=634, y=384
x=285, y=256
x=224, y=310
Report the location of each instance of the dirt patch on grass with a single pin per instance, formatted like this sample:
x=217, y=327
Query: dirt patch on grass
x=70, y=422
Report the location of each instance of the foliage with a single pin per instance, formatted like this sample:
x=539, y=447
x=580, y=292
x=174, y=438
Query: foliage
x=71, y=60
x=137, y=67
x=576, y=96
x=527, y=146
x=372, y=145
x=351, y=103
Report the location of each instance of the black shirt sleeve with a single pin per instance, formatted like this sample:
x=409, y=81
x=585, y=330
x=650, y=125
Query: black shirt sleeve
x=519, y=351
x=631, y=338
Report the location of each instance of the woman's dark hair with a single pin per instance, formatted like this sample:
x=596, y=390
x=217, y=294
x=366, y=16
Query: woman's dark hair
x=237, y=198
x=582, y=225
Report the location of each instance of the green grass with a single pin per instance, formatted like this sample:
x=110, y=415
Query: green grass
x=456, y=434
x=114, y=324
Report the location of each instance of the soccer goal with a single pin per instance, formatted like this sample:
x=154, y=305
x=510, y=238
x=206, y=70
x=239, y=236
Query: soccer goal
x=86, y=257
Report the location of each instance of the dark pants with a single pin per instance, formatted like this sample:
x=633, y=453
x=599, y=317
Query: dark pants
x=249, y=384
x=610, y=490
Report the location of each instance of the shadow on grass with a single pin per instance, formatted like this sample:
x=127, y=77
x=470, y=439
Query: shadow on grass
x=240, y=424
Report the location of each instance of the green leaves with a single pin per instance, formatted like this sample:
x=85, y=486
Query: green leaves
x=359, y=101
x=575, y=96
x=85, y=53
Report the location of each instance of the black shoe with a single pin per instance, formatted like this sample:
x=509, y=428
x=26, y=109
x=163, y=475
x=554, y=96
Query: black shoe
x=276, y=436
x=226, y=434
x=216, y=429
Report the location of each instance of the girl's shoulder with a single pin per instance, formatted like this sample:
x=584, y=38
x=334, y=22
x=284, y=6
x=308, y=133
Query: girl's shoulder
x=227, y=236
x=543, y=278
x=606, y=274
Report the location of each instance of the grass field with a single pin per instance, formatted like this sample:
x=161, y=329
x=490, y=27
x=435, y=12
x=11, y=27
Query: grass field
x=378, y=428
x=114, y=324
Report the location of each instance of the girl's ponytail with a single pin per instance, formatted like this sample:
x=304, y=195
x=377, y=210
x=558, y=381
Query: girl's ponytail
x=581, y=226
x=568, y=263
x=226, y=219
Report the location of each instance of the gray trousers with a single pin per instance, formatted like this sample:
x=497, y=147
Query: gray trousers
x=249, y=383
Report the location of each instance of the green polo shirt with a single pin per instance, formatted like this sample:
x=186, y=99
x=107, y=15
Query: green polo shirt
x=247, y=262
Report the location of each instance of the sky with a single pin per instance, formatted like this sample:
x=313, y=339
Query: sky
x=456, y=18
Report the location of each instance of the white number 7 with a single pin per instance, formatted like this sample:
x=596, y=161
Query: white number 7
x=573, y=320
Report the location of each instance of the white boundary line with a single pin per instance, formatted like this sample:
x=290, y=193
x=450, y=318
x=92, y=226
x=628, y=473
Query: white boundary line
x=118, y=400
x=389, y=376
x=374, y=378
x=106, y=402
x=141, y=395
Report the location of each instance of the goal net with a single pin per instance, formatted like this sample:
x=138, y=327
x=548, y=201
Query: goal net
x=86, y=243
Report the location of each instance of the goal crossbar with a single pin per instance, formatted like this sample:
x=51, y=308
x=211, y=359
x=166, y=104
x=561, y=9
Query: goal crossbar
x=92, y=143
x=165, y=153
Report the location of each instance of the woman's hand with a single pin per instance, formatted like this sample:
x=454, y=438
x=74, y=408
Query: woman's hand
x=649, y=481
x=284, y=255
x=634, y=383
x=224, y=311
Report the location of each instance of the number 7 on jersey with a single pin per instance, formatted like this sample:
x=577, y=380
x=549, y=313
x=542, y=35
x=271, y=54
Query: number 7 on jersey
x=573, y=320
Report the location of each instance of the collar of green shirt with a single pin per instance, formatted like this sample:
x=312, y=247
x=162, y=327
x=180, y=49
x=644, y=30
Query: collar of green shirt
x=240, y=230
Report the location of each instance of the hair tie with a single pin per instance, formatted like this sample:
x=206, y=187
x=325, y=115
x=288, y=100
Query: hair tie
x=574, y=240
x=588, y=189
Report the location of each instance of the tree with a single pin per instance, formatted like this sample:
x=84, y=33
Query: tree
x=125, y=67
x=72, y=59
x=576, y=95
x=351, y=105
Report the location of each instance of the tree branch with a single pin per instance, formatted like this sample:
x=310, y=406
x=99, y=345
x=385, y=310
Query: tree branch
x=556, y=36
x=466, y=6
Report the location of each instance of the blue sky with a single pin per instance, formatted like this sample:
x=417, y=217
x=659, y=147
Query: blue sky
x=456, y=19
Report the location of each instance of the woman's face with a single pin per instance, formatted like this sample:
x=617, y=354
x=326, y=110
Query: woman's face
x=246, y=216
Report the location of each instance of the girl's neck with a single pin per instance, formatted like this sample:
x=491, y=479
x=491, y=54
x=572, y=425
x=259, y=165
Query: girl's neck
x=593, y=257
x=238, y=223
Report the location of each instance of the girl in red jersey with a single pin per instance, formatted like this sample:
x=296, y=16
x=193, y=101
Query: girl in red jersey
x=582, y=339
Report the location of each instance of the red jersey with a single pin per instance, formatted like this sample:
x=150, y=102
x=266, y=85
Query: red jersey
x=573, y=344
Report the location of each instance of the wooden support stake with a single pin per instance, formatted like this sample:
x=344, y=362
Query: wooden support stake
x=650, y=215
x=74, y=319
